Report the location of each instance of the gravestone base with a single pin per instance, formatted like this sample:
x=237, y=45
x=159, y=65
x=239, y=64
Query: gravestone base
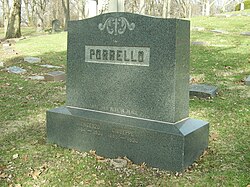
x=55, y=76
x=170, y=146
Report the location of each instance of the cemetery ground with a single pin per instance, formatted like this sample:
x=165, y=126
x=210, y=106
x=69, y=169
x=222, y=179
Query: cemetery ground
x=27, y=160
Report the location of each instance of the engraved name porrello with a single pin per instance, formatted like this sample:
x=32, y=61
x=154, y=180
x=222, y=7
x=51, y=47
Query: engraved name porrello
x=116, y=25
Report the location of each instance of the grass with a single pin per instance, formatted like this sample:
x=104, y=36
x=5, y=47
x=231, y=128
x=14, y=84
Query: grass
x=27, y=160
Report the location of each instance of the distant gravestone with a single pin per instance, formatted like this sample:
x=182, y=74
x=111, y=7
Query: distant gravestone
x=228, y=15
x=198, y=28
x=202, y=91
x=90, y=8
x=219, y=31
x=128, y=91
x=1, y=64
x=32, y=60
x=200, y=43
x=7, y=47
x=16, y=70
x=56, y=26
x=247, y=81
x=245, y=33
x=55, y=76
x=36, y=77
x=50, y=66
x=242, y=6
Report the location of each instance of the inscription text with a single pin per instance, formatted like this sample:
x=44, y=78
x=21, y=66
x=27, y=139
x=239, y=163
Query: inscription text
x=137, y=56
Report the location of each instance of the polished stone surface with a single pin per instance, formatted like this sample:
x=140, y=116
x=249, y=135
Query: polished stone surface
x=2, y=64
x=32, y=60
x=123, y=85
x=55, y=76
x=200, y=43
x=159, y=144
x=16, y=70
x=202, y=90
x=36, y=77
x=247, y=81
x=50, y=66
x=219, y=31
x=128, y=92
x=56, y=26
x=245, y=33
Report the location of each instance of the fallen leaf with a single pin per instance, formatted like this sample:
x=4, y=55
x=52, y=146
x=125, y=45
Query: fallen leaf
x=25, y=157
x=3, y=175
x=99, y=158
x=100, y=182
x=92, y=152
x=15, y=156
x=214, y=136
x=35, y=174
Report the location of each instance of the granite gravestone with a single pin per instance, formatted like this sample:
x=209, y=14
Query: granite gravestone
x=202, y=91
x=56, y=26
x=128, y=91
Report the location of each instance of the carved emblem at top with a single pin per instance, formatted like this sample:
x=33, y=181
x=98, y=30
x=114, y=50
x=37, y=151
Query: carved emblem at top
x=116, y=25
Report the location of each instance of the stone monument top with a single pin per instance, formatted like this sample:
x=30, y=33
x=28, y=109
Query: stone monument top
x=126, y=72
x=128, y=91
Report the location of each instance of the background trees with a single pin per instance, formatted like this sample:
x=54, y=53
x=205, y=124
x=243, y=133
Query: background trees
x=13, y=19
x=41, y=13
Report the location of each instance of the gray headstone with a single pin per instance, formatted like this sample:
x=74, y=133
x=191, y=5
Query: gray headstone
x=1, y=64
x=32, y=60
x=247, y=81
x=202, y=90
x=128, y=91
x=198, y=28
x=219, y=31
x=36, y=77
x=56, y=26
x=245, y=33
x=200, y=43
x=15, y=69
x=55, y=76
x=50, y=66
x=242, y=6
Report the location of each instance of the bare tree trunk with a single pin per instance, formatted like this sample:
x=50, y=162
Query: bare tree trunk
x=6, y=13
x=33, y=11
x=190, y=11
x=142, y=7
x=65, y=4
x=164, y=10
x=14, y=24
x=30, y=20
x=183, y=4
x=40, y=20
x=207, y=5
x=81, y=5
x=169, y=8
x=225, y=4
